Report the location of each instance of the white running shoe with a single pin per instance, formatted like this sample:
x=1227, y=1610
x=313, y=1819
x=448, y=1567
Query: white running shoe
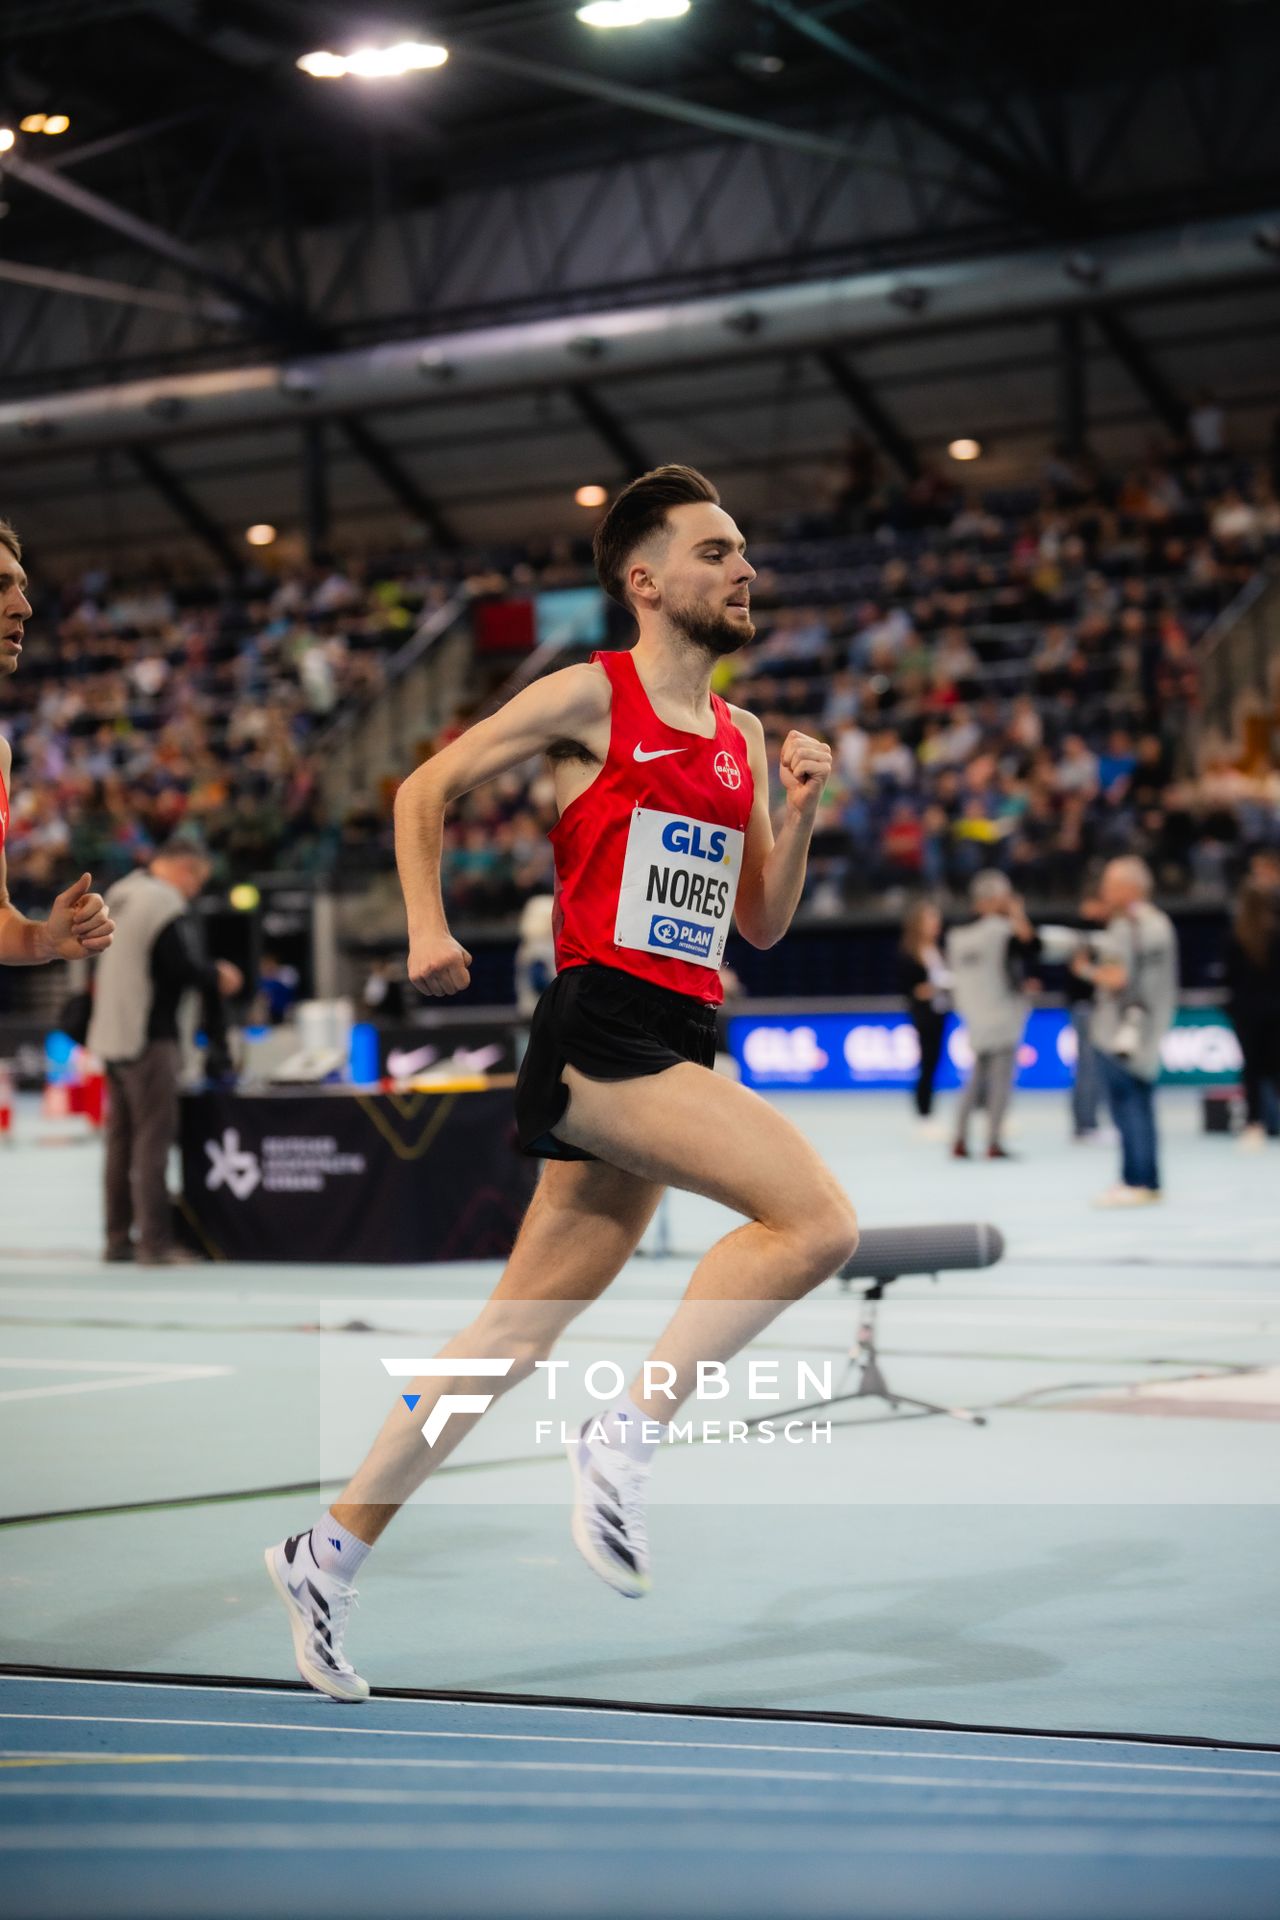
x=318, y=1606
x=1122, y=1196
x=609, y=1531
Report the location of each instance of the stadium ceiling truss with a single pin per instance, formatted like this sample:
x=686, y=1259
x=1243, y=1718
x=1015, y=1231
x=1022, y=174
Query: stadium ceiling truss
x=268, y=215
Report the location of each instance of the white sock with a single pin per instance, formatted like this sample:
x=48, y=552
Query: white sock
x=336, y=1550
x=624, y=1424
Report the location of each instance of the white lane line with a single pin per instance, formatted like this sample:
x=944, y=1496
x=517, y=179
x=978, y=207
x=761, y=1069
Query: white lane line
x=123, y=1373
x=686, y=1715
x=133, y=1789
x=599, y=1740
x=890, y=1838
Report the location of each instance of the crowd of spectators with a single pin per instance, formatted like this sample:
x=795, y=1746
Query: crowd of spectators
x=1006, y=681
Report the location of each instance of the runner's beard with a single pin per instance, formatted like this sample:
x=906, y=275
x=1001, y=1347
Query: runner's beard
x=713, y=633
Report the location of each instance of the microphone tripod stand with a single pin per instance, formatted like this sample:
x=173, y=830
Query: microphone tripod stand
x=863, y=1368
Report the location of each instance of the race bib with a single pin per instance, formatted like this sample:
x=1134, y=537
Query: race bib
x=678, y=884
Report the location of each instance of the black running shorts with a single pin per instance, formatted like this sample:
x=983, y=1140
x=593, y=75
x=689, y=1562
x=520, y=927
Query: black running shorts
x=610, y=1026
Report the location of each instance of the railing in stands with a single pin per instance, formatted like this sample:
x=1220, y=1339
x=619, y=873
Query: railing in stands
x=1239, y=662
x=422, y=688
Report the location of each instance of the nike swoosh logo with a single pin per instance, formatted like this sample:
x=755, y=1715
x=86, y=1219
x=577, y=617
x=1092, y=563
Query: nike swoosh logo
x=401, y=1063
x=658, y=753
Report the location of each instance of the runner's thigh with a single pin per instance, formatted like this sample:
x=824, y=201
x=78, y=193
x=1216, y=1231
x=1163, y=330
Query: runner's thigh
x=691, y=1128
x=583, y=1224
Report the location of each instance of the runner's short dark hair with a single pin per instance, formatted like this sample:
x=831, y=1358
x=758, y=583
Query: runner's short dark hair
x=640, y=510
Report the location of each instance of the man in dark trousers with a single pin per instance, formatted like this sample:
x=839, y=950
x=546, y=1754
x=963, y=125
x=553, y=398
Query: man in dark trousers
x=138, y=988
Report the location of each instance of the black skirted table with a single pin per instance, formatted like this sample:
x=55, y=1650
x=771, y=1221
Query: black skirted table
x=339, y=1174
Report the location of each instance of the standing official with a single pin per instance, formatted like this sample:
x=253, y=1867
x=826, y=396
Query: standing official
x=138, y=988
x=1136, y=980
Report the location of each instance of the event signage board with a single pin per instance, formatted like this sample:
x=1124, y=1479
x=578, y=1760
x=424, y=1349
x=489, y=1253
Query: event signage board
x=348, y=1176
x=848, y=1050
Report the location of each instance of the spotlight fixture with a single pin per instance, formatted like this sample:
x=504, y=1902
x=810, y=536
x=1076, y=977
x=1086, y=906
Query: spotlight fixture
x=591, y=496
x=33, y=122
x=964, y=449
x=434, y=366
x=7, y=138
x=630, y=13
x=56, y=123
x=745, y=321
x=763, y=66
x=1084, y=268
x=261, y=534
x=910, y=298
x=374, y=63
x=299, y=383
x=587, y=346
x=244, y=896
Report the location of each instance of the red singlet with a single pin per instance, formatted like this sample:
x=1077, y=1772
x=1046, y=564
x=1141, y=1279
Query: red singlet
x=4, y=814
x=648, y=857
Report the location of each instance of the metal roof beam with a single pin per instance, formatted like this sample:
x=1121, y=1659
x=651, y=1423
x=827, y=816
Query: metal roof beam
x=397, y=479
x=1141, y=369
x=871, y=410
x=161, y=478
x=1022, y=183
x=249, y=305
x=607, y=427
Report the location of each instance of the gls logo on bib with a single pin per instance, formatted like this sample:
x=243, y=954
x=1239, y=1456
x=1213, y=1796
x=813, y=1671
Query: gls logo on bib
x=678, y=885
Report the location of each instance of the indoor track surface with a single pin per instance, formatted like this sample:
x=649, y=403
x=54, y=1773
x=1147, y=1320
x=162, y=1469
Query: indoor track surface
x=1100, y=1559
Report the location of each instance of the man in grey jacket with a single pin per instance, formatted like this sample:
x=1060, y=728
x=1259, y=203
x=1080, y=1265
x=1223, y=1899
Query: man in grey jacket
x=138, y=987
x=989, y=958
x=1134, y=969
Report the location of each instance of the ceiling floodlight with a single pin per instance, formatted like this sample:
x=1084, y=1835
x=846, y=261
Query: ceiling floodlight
x=261, y=534
x=965, y=449
x=7, y=138
x=630, y=13
x=375, y=63
x=323, y=66
x=56, y=123
x=591, y=496
x=34, y=123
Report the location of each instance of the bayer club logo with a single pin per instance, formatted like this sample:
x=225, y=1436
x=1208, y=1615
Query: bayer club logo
x=728, y=770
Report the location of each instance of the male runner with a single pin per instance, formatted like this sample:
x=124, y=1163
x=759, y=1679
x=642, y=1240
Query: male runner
x=77, y=925
x=664, y=831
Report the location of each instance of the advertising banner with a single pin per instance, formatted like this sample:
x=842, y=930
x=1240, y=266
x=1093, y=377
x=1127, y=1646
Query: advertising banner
x=845, y=1050
x=349, y=1176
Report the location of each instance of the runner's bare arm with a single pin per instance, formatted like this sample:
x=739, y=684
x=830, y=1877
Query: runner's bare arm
x=75, y=915
x=565, y=706
x=773, y=867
